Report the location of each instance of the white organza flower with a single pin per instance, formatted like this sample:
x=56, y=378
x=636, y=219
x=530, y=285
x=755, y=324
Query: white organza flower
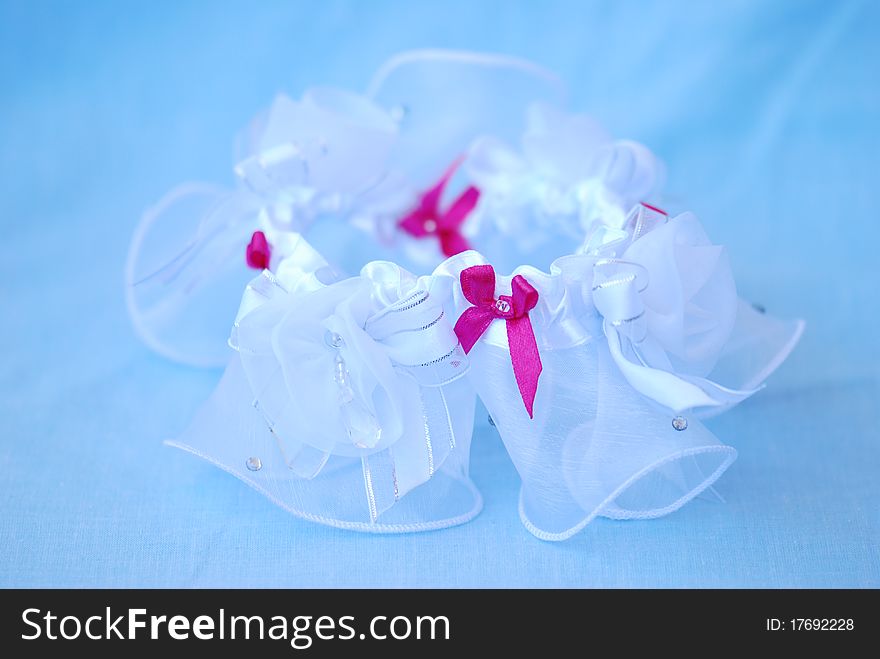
x=669, y=305
x=339, y=365
x=317, y=155
x=320, y=156
x=359, y=383
x=690, y=299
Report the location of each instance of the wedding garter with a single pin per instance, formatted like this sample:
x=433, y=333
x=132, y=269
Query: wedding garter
x=350, y=400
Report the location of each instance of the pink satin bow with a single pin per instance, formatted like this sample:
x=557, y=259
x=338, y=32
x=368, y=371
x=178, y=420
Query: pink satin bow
x=478, y=286
x=258, y=252
x=427, y=219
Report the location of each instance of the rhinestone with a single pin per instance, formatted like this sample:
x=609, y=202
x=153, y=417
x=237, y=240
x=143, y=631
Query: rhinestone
x=430, y=226
x=503, y=306
x=254, y=464
x=333, y=340
x=680, y=423
x=363, y=428
x=491, y=421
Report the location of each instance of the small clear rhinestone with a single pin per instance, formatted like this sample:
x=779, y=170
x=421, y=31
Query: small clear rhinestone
x=491, y=421
x=680, y=423
x=503, y=306
x=333, y=340
x=430, y=226
x=254, y=464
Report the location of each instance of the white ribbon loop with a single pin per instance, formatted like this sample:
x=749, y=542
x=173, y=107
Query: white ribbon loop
x=610, y=238
x=617, y=288
x=420, y=340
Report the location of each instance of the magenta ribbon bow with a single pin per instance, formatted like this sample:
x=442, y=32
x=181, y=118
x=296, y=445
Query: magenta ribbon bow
x=428, y=220
x=478, y=286
x=258, y=253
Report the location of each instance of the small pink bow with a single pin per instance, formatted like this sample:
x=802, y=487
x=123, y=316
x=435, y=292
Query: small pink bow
x=478, y=286
x=427, y=219
x=258, y=252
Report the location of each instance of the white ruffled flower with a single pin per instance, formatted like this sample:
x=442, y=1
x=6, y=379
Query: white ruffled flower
x=339, y=365
x=669, y=305
x=568, y=173
x=690, y=299
x=316, y=156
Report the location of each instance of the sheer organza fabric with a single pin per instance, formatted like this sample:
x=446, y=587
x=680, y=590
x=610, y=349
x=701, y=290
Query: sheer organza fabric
x=348, y=400
x=604, y=440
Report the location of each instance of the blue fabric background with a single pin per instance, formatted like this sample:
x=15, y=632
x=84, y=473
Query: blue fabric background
x=766, y=114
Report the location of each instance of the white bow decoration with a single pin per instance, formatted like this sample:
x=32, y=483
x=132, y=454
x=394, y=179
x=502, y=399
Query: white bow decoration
x=668, y=305
x=353, y=368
